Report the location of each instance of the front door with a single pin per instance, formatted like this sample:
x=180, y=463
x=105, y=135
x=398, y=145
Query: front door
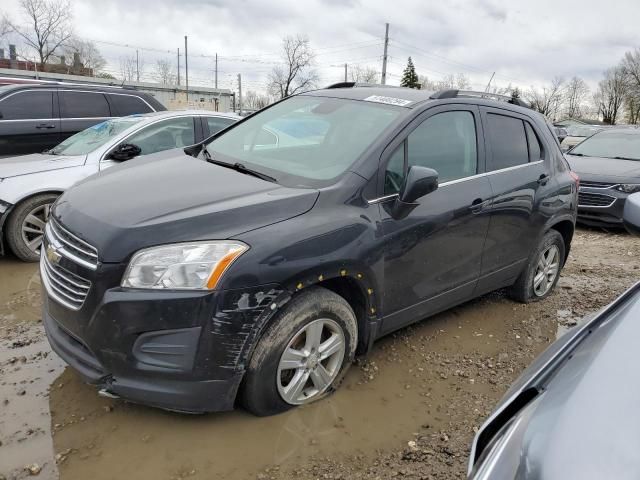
x=433, y=256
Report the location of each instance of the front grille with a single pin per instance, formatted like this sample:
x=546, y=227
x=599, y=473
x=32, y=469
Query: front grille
x=70, y=246
x=595, y=200
x=65, y=287
x=596, y=184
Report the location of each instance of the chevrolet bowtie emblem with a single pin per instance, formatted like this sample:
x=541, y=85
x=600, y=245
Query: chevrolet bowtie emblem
x=52, y=254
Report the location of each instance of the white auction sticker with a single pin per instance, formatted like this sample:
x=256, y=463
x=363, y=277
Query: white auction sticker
x=388, y=100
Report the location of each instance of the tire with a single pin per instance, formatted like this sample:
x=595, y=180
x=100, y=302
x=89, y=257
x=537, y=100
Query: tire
x=23, y=215
x=526, y=289
x=264, y=389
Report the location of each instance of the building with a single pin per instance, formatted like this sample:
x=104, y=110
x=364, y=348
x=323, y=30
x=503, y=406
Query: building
x=579, y=122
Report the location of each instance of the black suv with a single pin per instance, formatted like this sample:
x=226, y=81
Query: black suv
x=257, y=270
x=34, y=118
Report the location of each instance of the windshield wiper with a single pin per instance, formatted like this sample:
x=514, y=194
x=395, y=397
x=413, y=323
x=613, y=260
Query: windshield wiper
x=578, y=154
x=50, y=152
x=238, y=167
x=626, y=158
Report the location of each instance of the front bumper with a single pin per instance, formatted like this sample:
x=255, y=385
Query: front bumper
x=608, y=208
x=175, y=350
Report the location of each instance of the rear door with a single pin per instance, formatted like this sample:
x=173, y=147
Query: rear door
x=80, y=110
x=28, y=122
x=518, y=168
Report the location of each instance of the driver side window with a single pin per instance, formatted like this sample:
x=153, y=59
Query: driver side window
x=165, y=135
x=445, y=142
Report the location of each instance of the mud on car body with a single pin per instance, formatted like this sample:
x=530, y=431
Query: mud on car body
x=252, y=269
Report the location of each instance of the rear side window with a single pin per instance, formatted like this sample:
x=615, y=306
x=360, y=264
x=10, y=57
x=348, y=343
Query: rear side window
x=216, y=124
x=27, y=104
x=508, y=142
x=83, y=105
x=128, y=105
x=535, y=147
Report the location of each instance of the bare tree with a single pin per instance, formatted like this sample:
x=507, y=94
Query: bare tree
x=296, y=74
x=611, y=93
x=165, y=72
x=448, y=82
x=360, y=74
x=45, y=28
x=130, y=69
x=255, y=101
x=88, y=53
x=631, y=68
x=576, y=92
x=548, y=100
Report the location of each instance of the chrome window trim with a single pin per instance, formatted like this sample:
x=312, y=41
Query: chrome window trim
x=461, y=180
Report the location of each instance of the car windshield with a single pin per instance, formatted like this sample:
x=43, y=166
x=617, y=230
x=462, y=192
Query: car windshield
x=305, y=140
x=582, y=131
x=610, y=145
x=93, y=137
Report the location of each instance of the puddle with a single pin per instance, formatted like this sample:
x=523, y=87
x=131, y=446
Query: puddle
x=407, y=382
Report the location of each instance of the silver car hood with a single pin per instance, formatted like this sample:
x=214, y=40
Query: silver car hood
x=36, y=163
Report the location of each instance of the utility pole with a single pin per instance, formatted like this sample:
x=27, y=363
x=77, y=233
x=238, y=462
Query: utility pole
x=137, y=67
x=186, y=69
x=345, y=72
x=216, y=80
x=178, y=65
x=239, y=94
x=383, y=80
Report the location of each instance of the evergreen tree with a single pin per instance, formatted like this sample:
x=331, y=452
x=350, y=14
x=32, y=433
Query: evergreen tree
x=409, y=76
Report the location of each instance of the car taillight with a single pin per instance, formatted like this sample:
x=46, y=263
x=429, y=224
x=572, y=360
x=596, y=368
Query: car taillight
x=575, y=176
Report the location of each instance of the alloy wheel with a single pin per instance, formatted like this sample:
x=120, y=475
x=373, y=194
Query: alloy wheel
x=32, y=228
x=546, y=270
x=311, y=361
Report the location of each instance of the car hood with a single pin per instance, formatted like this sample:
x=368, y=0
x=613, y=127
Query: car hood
x=158, y=201
x=36, y=163
x=608, y=167
x=585, y=421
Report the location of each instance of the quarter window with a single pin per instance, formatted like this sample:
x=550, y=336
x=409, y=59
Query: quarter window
x=445, y=142
x=172, y=133
x=535, y=147
x=83, y=105
x=508, y=142
x=128, y=105
x=26, y=105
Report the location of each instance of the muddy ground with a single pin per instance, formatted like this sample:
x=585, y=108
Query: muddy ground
x=408, y=411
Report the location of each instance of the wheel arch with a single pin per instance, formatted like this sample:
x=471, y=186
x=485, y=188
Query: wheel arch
x=566, y=229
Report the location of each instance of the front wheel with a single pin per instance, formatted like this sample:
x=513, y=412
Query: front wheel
x=542, y=271
x=303, y=353
x=25, y=226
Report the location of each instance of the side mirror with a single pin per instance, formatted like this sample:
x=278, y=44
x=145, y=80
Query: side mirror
x=420, y=181
x=631, y=214
x=125, y=151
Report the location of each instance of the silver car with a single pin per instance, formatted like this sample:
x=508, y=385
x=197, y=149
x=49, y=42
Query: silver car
x=30, y=184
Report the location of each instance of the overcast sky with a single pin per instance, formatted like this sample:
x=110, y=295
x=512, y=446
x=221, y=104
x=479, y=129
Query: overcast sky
x=525, y=42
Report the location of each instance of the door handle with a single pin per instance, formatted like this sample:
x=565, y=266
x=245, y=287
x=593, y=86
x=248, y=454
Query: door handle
x=45, y=125
x=544, y=178
x=477, y=205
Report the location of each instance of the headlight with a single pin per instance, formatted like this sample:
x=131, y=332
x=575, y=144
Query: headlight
x=193, y=266
x=629, y=187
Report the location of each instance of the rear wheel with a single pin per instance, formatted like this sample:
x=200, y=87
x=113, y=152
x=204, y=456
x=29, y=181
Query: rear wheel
x=302, y=355
x=25, y=226
x=542, y=271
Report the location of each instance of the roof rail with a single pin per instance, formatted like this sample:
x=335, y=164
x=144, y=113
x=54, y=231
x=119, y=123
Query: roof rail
x=355, y=84
x=473, y=94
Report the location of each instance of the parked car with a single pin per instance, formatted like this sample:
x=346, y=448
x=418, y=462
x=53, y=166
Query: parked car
x=30, y=184
x=573, y=412
x=256, y=274
x=576, y=134
x=561, y=133
x=608, y=164
x=34, y=118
